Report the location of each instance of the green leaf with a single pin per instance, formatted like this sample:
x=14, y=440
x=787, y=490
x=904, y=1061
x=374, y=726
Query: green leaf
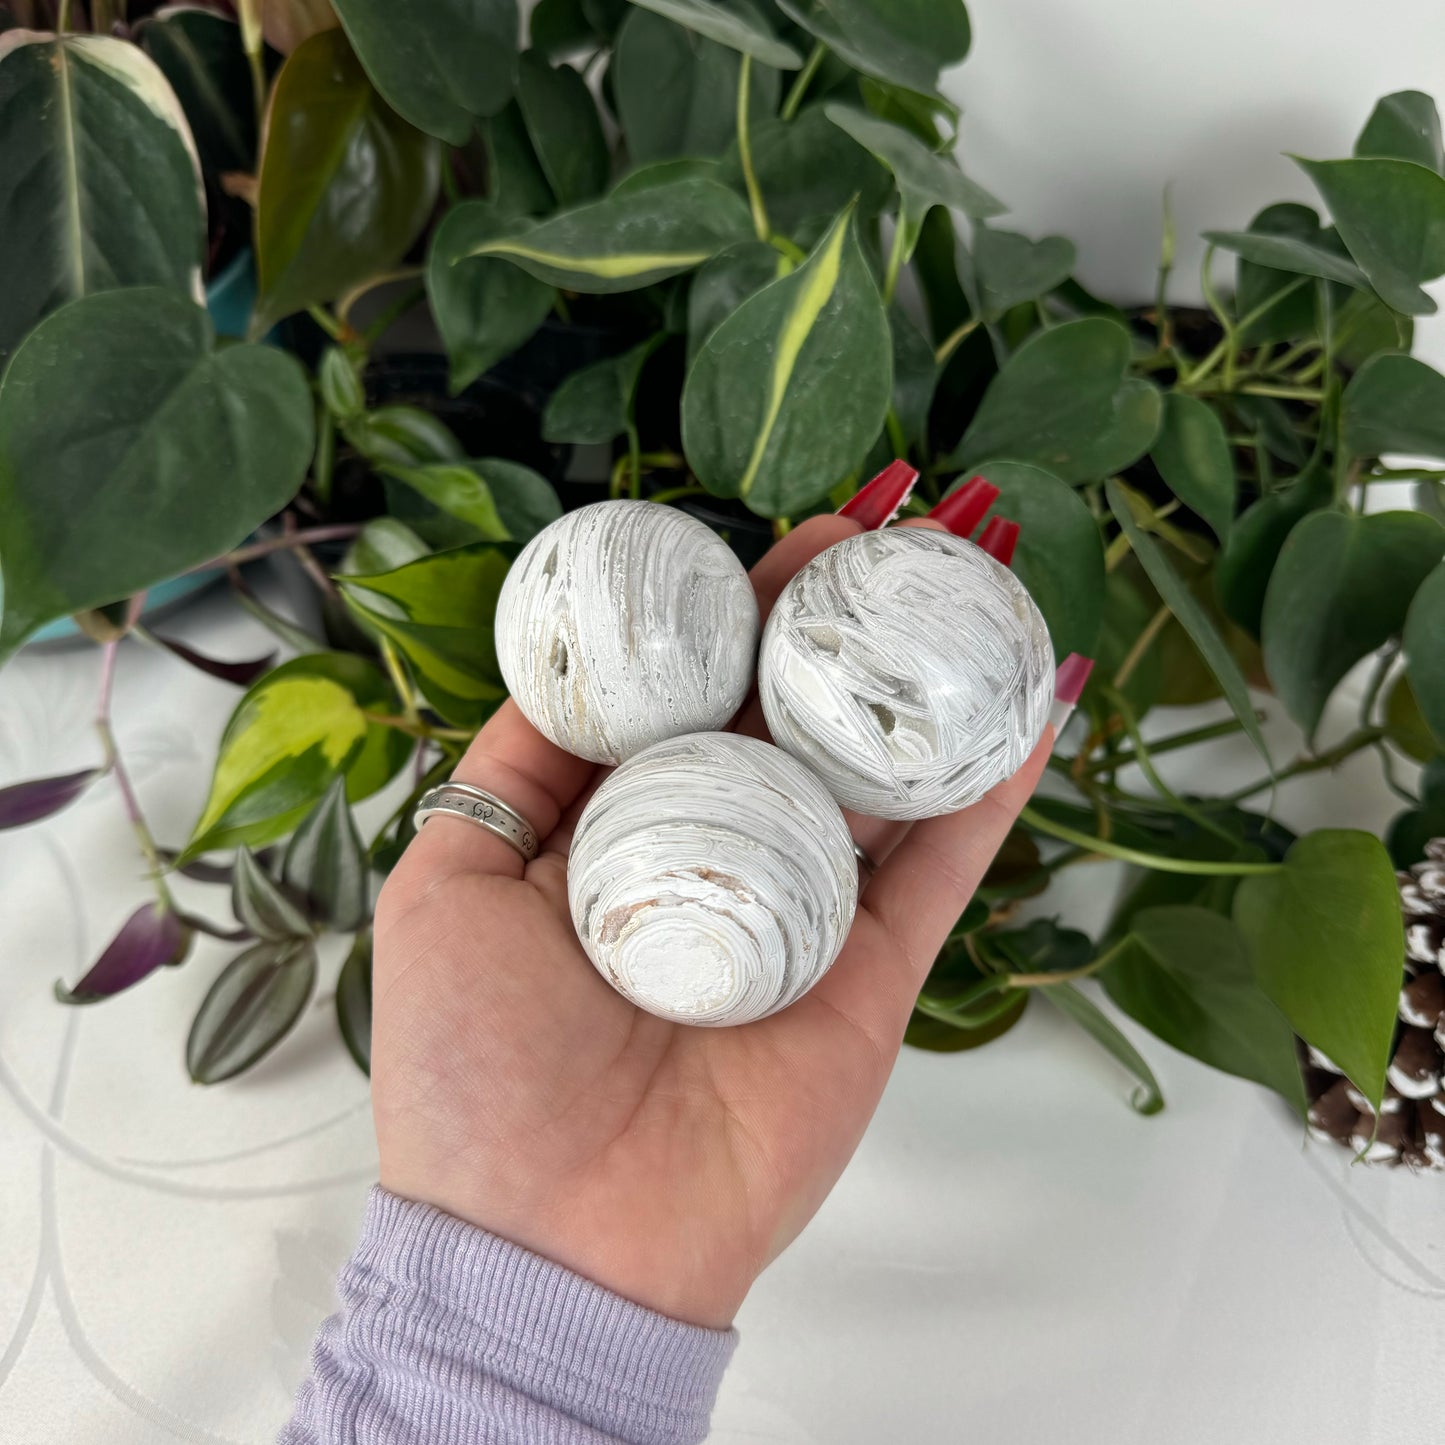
x=1193, y=456
x=403, y=436
x=1405, y=724
x=325, y=864
x=1064, y=401
x=1185, y=974
x=738, y=27
x=1340, y=589
x=1412, y=829
x=485, y=308
x=353, y=1001
x=914, y=112
x=785, y=397
x=100, y=187
x=903, y=41
x=443, y=64
x=594, y=405
x=1146, y=1098
x=494, y=499
x=1271, y=425
x=559, y=28
x=515, y=183
x=723, y=284
x=1425, y=650
x=1391, y=215
x=1190, y=613
x=250, y=1008
x=346, y=184
x=630, y=240
x=1059, y=556
x=1395, y=404
x=289, y=736
x=439, y=612
x=1011, y=269
x=382, y=544
x=1405, y=126
x=677, y=91
x=915, y=374
x=116, y=498
x=340, y=384
x=1041, y=946
x=564, y=128
x=925, y=179
x=1245, y=565
x=260, y=905
x=1292, y=314
x=808, y=170
x=1292, y=253
x=938, y=1036
x=200, y=53
x=1328, y=946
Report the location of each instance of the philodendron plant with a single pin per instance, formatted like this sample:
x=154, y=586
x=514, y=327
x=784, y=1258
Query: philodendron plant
x=728, y=246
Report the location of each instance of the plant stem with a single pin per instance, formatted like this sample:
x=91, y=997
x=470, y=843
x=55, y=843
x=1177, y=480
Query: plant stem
x=1168, y=745
x=955, y=339
x=1132, y=658
x=1377, y=681
x=794, y=255
x=804, y=80
x=634, y=460
x=1045, y=980
x=328, y=323
x=385, y=278
x=253, y=42
x=336, y=532
x=62, y=22
x=325, y=460
x=676, y=494
x=745, y=153
x=1136, y=856
x=1163, y=328
x=895, y=262
x=397, y=674
x=1331, y=757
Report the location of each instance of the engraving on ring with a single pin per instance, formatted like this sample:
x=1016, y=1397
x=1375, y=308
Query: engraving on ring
x=484, y=811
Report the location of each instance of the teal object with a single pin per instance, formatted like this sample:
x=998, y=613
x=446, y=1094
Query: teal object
x=229, y=297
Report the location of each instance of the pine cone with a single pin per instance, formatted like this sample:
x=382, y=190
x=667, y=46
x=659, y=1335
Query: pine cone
x=1412, y=1114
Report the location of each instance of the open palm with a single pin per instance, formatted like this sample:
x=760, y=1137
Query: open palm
x=515, y=1089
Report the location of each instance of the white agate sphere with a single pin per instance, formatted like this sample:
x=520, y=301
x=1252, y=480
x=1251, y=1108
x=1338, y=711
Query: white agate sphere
x=712, y=880
x=624, y=623
x=910, y=670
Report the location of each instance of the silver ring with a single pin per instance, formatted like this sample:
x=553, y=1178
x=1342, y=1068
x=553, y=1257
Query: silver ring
x=462, y=800
x=864, y=861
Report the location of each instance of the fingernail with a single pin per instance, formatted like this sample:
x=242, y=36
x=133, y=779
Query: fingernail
x=999, y=539
x=1069, y=679
x=962, y=509
x=877, y=504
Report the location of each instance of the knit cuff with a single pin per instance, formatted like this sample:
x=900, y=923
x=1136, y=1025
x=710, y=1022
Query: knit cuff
x=535, y=1327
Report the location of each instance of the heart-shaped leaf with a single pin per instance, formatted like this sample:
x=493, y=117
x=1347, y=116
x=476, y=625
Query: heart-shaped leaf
x=1395, y=404
x=1185, y=974
x=785, y=397
x=261, y=907
x=677, y=91
x=326, y=865
x=403, y=436
x=346, y=184
x=250, y=1008
x=485, y=308
x=1391, y=215
x=1193, y=456
x=1190, y=613
x=153, y=937
x=738, y=27
x=915, y=374
x=439, y=612
x=515, y=183
x=1283, y=308
x=200, y=53
x=594, y=405
x=1425, y=651
x=1328, y=947
x=286, y=741
x=353, y=1002
x=383, y=544
x=492, y=499
x=1065, y=402
x=90, y=514
x=29, y=802
x=903, y=41
x=100, y=187
x=1405, y=126
x=564, y=128
x=1340, y=589
x=1059, y=556
x=629, y=240
x=1147, y=1097
x=443, y=64
x=724, y=283
x=1286, y=251
x=1011, y=269
x=1405, y=724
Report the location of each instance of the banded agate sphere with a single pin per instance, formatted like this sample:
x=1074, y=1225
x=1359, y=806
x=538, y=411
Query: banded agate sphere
x=910, y=670
x=624, y=623
x=712, y=880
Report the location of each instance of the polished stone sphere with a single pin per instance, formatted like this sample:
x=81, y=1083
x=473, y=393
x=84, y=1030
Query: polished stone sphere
x=712, y=880
x=624, y=623
x=910, y=670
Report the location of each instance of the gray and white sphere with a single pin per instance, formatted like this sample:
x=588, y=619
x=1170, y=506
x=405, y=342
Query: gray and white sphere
x=624, y=623
x=712, y=879
x=910, y=670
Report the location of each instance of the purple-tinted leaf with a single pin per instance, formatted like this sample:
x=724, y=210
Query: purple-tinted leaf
x=215, y=930
x=150, y=938
x=203, y=872
x=353, y=1001
x=250, y=1008
x=23, y=803
x=326, y=865
x=262, y=905
x=243, y=674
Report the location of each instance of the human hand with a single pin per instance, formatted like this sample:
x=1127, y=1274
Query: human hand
x=515, y=1089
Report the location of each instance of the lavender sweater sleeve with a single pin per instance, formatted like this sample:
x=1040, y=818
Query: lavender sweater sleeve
x=448, y=1335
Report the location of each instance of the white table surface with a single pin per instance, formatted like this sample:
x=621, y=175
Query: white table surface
x=1014, y=1255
